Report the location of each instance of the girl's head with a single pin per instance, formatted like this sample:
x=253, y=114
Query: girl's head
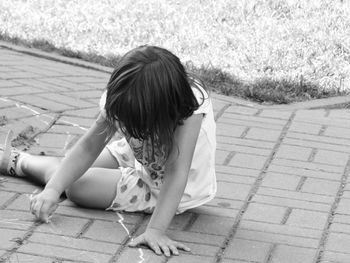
x=149, y=94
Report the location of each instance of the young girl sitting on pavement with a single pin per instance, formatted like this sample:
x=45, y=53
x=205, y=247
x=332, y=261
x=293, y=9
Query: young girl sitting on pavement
x=163, y=164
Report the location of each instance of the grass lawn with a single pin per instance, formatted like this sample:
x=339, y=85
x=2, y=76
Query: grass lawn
x=270, y=51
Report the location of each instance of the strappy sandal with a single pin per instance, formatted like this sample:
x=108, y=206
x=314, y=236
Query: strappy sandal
x=9, y=157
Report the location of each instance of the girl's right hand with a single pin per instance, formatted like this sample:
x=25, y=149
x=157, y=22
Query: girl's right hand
x=43, y=205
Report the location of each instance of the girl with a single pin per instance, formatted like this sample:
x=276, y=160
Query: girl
x=162, y=163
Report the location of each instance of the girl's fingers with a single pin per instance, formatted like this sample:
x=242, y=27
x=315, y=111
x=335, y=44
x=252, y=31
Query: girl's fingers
x=174, y=250
x=132, y=244
x=32, y=203
x=165, y=250
x=44, y=211
x=155, y=248
x=37, y=208
x=182, y=246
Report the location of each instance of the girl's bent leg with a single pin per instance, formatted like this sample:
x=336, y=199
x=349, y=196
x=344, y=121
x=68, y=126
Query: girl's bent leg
x=41, y=168
x=95, y=189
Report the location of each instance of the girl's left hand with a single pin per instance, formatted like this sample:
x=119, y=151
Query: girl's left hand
x=159, y=243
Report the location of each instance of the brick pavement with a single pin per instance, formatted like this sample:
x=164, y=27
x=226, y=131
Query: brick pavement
x=283, y=187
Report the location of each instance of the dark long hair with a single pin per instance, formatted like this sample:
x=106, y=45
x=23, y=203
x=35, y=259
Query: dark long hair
x=149, y=94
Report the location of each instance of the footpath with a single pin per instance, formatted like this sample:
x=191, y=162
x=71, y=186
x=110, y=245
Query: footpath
x=283, y=176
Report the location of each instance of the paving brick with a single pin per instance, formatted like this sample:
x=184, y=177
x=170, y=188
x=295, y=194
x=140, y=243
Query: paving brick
x=66, y=129
x=74, y=121
x=63, y=225
x=250, y=123
x=37, y=83
x=264, y=213
x=284, y=115
x=139, y=254
x=19, y=91
x=293, y=152
x=5, y=197
x=234, y=178
x=337, y=132
x=54, y=140
x=308, y=219
x=86, y=79
x=287, y=230
x=217, y=211
x=74, y=243
x=317, y=144
x=245, y=142
x=229, y=130
x=331, y=157
x=309, y=166
x=191, y=259
x=65, y=84
x=338, y=242
x=248, y=161
x=16, y=220
x=247, y=172
x=284, y=169
x=319, y=138
x=340, y=228
x=242, y=110
x=62, y=252
x=335, y=257
x=253, y=120
x=38, y=70
x=17, y=112
x=322, y=199
x=85, y=113
x=310, y=114
x=344, y=207
x=67, y=100
x=130, y=218
x=226, y=260
x=233, y=190
x=263, y=134
x=282, y=181
x=305, y=127
x=199, y=238
x=339, y=218
x=288, y=254
x=277, y=238
x=84, y=94
x=18, y=75
x=43, y=103
x=7, y=83
x=323, y=187
x=248, y=250
x=20, y=257
x=202, y=250
x=8, y=237
x=20, y=188
x=225, y=203
x=210, y=224
x=108, y=231
x=339, y=114
x=292, y=203
x=243, y=149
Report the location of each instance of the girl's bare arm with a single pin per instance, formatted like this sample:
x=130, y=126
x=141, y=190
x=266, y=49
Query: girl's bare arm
x=81, y=157
x=176, y=175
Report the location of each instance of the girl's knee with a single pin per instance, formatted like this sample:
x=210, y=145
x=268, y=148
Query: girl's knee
x=73, y=193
